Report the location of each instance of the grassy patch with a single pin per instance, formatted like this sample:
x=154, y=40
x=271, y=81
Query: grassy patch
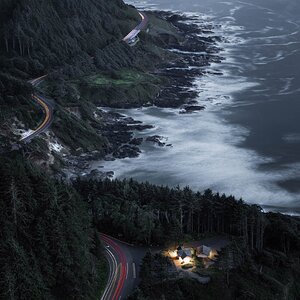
x=124, y=88
x=125, y=77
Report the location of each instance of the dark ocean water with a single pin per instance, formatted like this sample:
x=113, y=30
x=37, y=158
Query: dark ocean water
x=247, y=141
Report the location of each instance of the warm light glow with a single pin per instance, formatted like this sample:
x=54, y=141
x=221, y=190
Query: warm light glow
x=187, y=260
x=173, y=254
x=212, y=254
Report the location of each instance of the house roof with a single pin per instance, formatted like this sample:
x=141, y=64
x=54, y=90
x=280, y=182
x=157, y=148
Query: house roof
x=204, y=250
x=183, y=253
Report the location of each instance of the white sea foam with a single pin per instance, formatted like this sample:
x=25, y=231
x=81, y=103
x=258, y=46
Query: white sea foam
x=206, y=150
x=205, y=154
x=293, y=138
x=24, y=133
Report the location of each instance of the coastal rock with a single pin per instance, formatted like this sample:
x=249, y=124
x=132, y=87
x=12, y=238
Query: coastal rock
x=140, y=127
x=96, y=174
x=130, y=121
x=127, y=151
x=82, y=165
x=109, y=158
x=110, y=174
x=191, y=108
x=156, y=139
x=136, y=141
x=189, y=54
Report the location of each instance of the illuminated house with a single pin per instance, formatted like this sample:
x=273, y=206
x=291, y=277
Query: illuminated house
x=206, y=252
x=184, y=254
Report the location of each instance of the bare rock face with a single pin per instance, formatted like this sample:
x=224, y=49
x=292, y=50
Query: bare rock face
x=136, y=141
x=127, y=151
x=95, y=174
x=191, y=108
x=156, y=139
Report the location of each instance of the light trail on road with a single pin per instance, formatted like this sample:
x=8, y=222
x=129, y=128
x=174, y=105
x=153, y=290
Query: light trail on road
x=119, y=270
x=46, y=106
x=47, y=109
x=134, y=33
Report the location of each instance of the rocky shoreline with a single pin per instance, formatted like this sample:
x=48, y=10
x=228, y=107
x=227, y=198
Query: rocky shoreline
x=198, y=50
x=194, y=54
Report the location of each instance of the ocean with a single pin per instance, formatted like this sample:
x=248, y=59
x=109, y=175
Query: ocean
x=247, y=140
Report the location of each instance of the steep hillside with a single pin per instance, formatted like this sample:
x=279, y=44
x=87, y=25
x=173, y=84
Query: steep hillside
x=48, y=249
x=42, y=35
x=64, y=37
x=79, y=45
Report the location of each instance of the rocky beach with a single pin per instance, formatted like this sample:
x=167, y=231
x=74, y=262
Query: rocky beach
x=187, y=60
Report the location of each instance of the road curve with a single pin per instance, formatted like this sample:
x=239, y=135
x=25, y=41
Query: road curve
x=134, y=33
x=46, y=105
x=47, y=109
x=123, y=259
x=124, y=264
x=118, y=268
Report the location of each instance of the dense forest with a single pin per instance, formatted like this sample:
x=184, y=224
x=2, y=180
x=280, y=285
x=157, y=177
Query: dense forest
x=64, y=39
x=271, y=276
x=49, y=230
x=41, y=36
x=262, y=261
x=49, y=245
x=77, y=43
x=48, y=248
x=149, y=214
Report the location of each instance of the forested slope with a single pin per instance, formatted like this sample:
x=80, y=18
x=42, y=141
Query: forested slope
x=151, y=214
x=50, y=245
x=48, y=249
x=38, y=36
x=64, y=39
x=261, y=261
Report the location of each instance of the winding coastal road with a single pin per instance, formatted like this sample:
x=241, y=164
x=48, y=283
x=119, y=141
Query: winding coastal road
x=132, y=35
x=46, y=105
x=124, y=260
x=47, y=109
x=124, y=264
